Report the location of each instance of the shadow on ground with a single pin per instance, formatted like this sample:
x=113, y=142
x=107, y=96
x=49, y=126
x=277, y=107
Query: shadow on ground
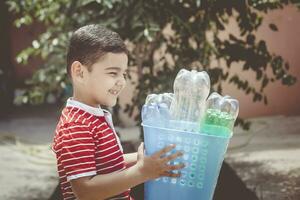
x=268, y=185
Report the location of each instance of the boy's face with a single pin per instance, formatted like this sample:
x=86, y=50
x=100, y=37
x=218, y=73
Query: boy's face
x=106, y=79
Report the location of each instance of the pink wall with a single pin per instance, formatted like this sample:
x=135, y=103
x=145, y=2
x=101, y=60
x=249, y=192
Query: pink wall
x=283, y=100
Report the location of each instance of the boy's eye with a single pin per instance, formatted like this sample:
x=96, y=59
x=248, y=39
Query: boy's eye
x=116, y=74
x=113, y=73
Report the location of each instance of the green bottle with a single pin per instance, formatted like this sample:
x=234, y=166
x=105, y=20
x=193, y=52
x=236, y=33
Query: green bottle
x=219, y=115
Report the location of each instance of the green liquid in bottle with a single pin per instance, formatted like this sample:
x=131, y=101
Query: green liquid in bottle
x=217, y=123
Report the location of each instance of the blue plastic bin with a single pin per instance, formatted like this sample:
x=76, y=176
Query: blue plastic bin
x=203, y=156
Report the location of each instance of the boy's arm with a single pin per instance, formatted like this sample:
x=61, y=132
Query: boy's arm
x=130, y=159
x=108, y=185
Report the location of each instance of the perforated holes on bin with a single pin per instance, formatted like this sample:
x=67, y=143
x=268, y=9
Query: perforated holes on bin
x=188, y=140
x=194, y=158
x=185, y=156
x=173, y=180
x=203, y=160
x=195, y=150
x=165, y=179
x=178, y=147
x=196, y=142
x=161, y=137
x=183, y=174
x=199, y=185
x=187, y=149
x=192, y=175
x=200, y=176
x=191, y=184
x=182, y=182
x=178, y=139
x=193, y=166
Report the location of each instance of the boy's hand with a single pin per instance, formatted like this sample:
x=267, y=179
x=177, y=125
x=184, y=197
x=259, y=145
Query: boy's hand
x=156, y=165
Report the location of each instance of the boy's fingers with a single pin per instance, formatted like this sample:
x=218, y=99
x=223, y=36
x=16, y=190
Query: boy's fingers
x=175, y=167
x=171, y=174
x=172, y=156
x=164, y=150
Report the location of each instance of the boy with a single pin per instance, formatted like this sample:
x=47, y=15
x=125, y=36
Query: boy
x=90, y=159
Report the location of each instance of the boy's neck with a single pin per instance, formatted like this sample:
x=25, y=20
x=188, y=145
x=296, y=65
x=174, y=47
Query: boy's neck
x=84, y=100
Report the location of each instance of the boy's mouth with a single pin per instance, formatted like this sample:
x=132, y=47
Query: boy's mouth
x=114, y=92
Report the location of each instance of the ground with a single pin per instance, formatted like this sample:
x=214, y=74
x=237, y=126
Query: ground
x=266, y=157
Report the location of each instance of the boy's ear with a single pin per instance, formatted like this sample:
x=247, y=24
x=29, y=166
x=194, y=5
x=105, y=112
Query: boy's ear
x=77, y=71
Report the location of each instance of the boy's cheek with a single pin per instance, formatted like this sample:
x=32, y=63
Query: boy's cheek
x=111, y=103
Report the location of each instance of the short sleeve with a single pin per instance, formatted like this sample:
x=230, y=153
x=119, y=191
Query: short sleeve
x=75, y=149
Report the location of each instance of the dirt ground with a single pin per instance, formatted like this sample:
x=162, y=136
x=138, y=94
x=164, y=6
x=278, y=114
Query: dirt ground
x=26, y=172
x=267, y=158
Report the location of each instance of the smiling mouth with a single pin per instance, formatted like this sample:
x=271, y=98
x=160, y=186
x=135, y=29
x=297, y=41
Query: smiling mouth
x=114, y=92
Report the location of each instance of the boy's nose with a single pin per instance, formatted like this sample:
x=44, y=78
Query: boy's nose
x=121, y=82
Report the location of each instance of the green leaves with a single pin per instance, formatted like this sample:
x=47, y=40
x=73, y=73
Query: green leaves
x=273, y=27
x=164, y=36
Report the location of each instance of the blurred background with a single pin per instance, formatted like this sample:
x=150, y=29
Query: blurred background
x=249, y=49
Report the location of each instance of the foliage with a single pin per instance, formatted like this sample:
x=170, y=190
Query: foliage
x=193, y=41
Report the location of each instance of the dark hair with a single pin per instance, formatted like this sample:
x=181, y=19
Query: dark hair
x=89, y=43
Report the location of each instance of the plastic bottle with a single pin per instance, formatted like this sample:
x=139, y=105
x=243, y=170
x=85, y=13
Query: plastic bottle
x=155, y=112
x=191, y=89
x=220, y=113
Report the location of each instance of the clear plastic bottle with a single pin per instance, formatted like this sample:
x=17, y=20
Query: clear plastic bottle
x=165, y=98
x=155, y=112
x=191, y=89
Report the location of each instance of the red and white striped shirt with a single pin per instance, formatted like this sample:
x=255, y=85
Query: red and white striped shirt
x=86, y=144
